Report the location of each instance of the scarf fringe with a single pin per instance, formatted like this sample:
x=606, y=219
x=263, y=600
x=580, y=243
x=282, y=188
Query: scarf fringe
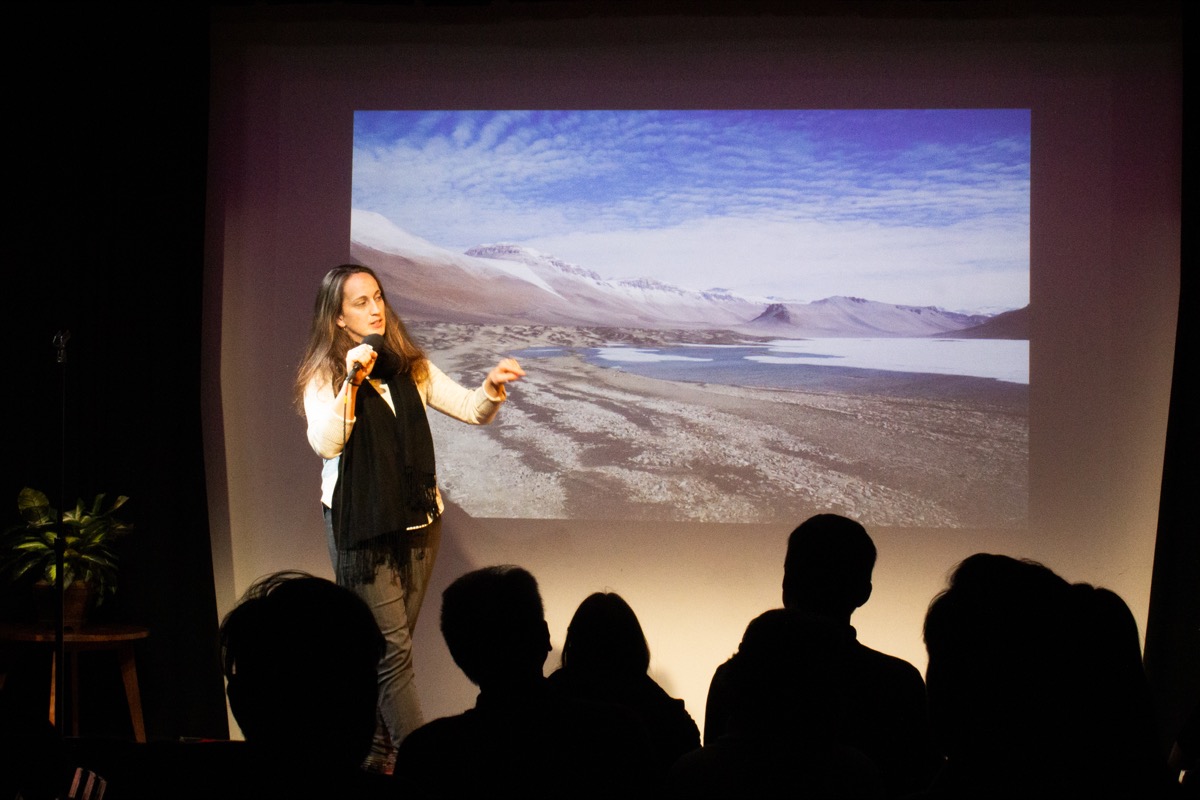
x=357, y=566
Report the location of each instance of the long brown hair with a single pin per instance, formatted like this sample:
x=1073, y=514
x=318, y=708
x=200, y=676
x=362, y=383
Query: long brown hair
x=328, y=343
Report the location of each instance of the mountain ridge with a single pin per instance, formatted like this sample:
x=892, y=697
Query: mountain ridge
x=506, y=282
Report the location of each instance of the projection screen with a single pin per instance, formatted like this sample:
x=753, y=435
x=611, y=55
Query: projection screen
x=976, y=221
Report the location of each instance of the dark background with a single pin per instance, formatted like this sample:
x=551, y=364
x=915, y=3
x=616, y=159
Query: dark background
x=109, y=127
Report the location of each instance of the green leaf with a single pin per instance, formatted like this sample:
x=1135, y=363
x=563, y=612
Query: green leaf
x=88, y=532
x=34, y=506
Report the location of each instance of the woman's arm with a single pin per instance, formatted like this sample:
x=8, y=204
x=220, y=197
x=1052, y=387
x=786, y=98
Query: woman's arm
x=331, y=416
x=475, y=406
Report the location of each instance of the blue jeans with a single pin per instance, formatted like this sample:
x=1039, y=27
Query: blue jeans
x=396, y=608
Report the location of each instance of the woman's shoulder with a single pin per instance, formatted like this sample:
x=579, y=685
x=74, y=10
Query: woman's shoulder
x=318, y=390
x=426, y=369
x=656, y=696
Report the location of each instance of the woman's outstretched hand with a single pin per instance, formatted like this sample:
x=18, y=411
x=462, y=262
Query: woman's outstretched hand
x=507, y=371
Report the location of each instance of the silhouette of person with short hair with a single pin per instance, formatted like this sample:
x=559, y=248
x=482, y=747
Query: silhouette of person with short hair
x=606, y=658
x=884, y=714
x=782, y=672
x=520, y=739
x=300, y=657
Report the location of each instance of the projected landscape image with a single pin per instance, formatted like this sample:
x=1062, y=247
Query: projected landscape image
x=726, y=316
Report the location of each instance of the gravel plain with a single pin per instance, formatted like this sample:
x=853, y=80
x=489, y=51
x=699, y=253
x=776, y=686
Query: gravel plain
x=579, y=441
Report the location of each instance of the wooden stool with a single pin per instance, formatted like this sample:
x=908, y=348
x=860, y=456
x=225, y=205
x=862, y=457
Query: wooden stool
x=112, y=636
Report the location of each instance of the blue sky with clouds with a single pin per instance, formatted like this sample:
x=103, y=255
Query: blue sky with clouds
x=927, y=207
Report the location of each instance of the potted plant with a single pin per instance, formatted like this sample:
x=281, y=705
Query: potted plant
x=89, y=560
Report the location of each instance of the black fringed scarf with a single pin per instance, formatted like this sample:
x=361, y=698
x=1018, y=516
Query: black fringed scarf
x=387, y=482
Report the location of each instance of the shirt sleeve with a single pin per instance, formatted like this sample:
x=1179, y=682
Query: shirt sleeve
x=474, y=406
x=329, y=421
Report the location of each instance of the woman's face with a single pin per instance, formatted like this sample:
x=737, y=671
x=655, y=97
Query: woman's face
x=362, y=307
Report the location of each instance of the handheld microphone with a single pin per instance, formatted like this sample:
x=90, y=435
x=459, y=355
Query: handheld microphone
x=387, y=363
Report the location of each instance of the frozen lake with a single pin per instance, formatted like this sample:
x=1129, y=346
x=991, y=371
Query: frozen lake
x=768, y=364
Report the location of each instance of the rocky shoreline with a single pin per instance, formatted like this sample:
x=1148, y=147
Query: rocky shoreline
x=586, y=442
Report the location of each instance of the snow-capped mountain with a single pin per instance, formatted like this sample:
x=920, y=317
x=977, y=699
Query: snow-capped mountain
x=854, y=316
x=643, y=302
x=508, y=283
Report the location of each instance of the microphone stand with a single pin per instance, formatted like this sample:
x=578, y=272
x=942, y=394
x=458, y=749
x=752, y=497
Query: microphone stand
x=60, y=548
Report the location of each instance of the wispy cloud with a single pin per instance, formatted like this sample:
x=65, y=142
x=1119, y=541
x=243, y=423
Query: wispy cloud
x=916, y=206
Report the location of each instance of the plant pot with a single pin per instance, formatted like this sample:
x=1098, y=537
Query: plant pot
x=77, y=603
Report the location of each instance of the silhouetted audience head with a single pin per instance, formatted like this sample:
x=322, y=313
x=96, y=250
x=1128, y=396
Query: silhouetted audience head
x=495, y=626
x=1037, y=682
x=828, y=566
x=521, y=738
x=300, y=655
x=606, y=660
x=605, y=637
